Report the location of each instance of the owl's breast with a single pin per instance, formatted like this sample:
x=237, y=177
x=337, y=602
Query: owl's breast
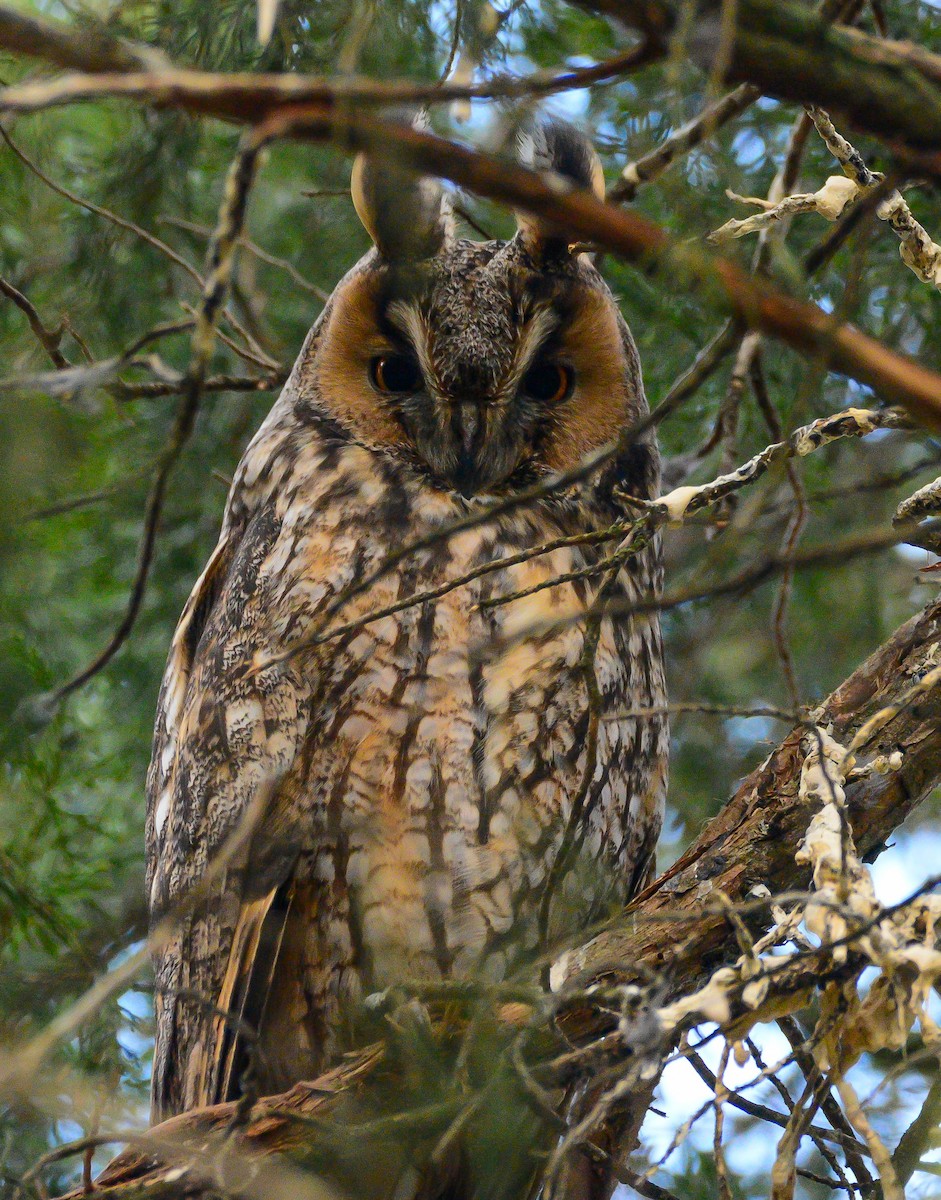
x=448, y=748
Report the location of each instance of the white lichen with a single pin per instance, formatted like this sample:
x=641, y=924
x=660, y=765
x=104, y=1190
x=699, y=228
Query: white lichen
x=830, y=202
x=920, y=253
x=682, y=502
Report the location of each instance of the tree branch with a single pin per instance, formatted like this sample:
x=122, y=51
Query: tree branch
x=69, y=46
x=891, y=89
x=222, y=248
x=804, y=327
x=49, y=339
x=250, y=96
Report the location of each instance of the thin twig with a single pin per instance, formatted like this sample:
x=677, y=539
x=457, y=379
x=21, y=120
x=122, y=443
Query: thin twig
x=684, y=502
x=100, y=211
x=652, y=165
x=154, y=390
x=130, y=226
x=222, y=248
x=254, y=249
x=795, y=527
x=828, y=1103
x=835, y=552
x=49, y=339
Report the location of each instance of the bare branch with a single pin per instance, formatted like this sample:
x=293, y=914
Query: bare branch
x=830, y=201
x=918, y=251
x=49, y=339
x=221, y=250
x=252, y=97
x=70, y=46
x=805, y=327
x=838, y=194
x=215, y=383
x=681, y=141
x=131, y=227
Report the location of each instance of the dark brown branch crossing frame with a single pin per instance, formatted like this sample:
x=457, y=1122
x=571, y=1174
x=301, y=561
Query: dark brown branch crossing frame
x=804, y=327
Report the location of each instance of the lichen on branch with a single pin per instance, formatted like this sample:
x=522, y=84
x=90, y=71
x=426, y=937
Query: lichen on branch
x=920, y=253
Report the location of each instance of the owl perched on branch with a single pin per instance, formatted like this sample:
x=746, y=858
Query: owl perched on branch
x=350, y=787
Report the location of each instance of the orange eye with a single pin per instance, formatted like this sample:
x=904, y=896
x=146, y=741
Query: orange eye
x=395, y=374
x=548, y=382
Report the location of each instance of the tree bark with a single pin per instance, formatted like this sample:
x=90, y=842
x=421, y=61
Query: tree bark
x=888, y=88
x=753, y=839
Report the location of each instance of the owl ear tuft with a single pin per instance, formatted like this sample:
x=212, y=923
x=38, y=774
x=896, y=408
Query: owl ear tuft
x=408, y=216
x=558, y=147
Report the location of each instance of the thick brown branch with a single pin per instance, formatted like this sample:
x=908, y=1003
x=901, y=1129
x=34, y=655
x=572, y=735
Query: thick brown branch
x=250, y=96
x=804, y=327
x=752, y=840
x=892, y=89
x=67, y=46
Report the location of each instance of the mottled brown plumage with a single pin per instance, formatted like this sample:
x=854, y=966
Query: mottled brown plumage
x=428, y=794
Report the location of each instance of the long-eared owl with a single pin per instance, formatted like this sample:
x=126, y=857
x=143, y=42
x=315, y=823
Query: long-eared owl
x=349, y=789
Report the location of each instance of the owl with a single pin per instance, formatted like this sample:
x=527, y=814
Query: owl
x=395, y=739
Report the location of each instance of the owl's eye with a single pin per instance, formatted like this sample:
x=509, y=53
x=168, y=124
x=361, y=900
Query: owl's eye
x=548, y=382
x=396, y=374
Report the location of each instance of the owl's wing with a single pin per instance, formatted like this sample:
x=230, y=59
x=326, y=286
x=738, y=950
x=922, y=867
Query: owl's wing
x=219, y=846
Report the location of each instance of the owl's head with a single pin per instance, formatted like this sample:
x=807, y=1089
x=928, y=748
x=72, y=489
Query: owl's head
x=483, y=364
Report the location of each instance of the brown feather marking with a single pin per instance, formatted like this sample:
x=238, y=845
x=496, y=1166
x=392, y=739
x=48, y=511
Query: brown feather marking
x=351, y=340
x=598, y=408
x=217, y=1082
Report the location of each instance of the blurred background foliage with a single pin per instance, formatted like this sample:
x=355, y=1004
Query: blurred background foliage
x=74, y=470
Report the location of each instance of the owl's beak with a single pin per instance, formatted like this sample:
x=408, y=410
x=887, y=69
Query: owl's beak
x=469, y=424
x=467, y=442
